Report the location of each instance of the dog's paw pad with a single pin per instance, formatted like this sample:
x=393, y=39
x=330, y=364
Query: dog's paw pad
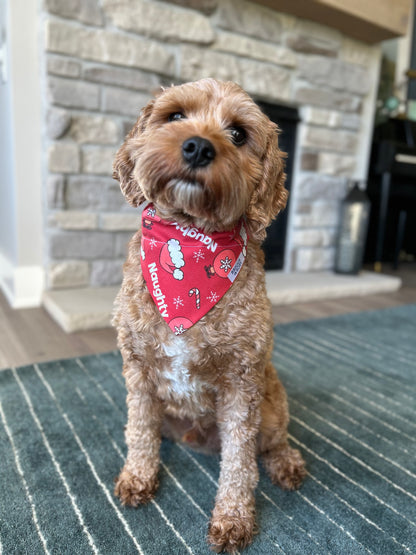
x=133, y=491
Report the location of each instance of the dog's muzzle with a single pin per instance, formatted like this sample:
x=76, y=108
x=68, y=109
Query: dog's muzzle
x=198, y=152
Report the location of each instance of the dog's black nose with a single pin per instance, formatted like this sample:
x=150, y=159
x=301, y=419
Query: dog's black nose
x=198, y=152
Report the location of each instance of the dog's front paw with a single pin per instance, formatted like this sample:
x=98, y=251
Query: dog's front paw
x=285, y=467
x=134, y=491
x=231, y=530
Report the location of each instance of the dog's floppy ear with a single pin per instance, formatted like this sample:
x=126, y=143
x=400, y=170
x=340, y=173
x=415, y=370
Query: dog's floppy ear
x=124, y=161
x=270, y=196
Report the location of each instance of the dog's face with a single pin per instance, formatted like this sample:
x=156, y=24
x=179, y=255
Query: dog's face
x=205, y=154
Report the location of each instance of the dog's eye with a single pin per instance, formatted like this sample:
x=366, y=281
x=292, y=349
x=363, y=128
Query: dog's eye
x=238, y=135
x=176, y=116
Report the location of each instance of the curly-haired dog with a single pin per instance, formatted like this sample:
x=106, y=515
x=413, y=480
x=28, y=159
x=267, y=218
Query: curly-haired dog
x=207, y=160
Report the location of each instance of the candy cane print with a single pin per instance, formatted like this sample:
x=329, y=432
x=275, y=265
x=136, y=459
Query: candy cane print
x=195, y=292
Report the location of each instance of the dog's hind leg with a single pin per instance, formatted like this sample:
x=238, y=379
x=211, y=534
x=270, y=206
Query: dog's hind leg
x=284, y=464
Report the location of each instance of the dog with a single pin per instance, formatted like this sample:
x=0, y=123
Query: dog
x=197, y=358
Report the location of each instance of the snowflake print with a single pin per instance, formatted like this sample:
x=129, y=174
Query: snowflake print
x=151, y=212
x=152, y=243
x=178, y=302
x=179, y=330
x=213, y=297
x=226, y=264
x=199, y=255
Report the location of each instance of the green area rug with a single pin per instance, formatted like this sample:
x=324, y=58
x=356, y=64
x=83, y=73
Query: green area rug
x=351, y=382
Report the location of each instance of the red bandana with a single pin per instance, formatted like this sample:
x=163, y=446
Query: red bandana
x=186, y=271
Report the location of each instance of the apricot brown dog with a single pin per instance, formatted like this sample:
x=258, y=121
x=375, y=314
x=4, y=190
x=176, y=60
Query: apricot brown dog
x=193, y=319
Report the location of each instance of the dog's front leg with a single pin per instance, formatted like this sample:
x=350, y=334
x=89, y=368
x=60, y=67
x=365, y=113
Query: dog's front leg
x=233, y=518
x=137, y=482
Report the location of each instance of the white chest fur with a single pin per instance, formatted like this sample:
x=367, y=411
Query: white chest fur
x=181, y=383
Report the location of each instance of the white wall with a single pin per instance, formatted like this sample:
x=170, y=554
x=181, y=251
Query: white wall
x=21, y=269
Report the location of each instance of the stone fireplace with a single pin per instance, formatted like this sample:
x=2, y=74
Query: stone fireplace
x=102, y=62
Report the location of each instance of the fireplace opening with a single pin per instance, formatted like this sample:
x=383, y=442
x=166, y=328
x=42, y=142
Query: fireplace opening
x=287, y=119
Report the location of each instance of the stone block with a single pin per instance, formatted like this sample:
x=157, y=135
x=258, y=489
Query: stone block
x=122, y=240
x=56, y=192
x=356, y=79
x=94, y=129
x=309, y=161
x=312, y=38
x=63, y=157
x=198, y=63
x=81, y=308
x=322, y=138
x=252, y=48
x=73, y=93
x=93, y=193
x=265, y=80
x=350, y=121
x=319, y=116
x=63, y=38
x=336, y=74
x=106, y=272
x=320, y=214
x=330, y=118
x=324, y=237
x=82, y=245
x=64, y=67
x=159, y=20
x=121, y=77
x=336, y=164
x=314, y=259
x=120, y=222
x=124, y=102
x=86, y=11
x=332, y=100
x=315, y=186
x=57, y=122
x=250, y=19
x=98, y=160
x=284, y=288
x=72, y=219
x=312, y=45
x=72, y=273
x=107, y=47
x=357, y=52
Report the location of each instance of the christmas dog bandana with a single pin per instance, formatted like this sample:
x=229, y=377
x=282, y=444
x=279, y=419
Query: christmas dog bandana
x=186, y=271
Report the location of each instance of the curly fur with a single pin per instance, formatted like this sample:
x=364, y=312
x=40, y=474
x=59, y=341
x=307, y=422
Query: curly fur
x=230, y=396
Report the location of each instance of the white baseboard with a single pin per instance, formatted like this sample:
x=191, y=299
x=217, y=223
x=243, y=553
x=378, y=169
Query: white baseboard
x=23, y=286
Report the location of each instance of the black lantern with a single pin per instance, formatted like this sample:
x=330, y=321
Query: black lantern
x=353, y=231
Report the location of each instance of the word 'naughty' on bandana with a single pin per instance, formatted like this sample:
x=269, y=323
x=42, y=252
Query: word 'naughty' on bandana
x=186, y=271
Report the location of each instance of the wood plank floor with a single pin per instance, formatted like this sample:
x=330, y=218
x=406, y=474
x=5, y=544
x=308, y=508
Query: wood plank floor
x=30, y=335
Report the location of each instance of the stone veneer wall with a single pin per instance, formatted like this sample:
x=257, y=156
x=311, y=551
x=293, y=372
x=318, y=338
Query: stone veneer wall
x=104, y=58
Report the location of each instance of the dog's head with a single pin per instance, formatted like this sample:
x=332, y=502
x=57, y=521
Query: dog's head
x=205, y=154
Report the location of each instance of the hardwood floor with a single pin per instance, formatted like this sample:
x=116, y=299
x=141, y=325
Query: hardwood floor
x=30, y=335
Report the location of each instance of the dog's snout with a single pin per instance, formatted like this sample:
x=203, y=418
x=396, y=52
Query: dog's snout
x=198, y=152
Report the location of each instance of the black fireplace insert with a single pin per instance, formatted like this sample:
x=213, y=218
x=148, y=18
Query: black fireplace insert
x=287, y=119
